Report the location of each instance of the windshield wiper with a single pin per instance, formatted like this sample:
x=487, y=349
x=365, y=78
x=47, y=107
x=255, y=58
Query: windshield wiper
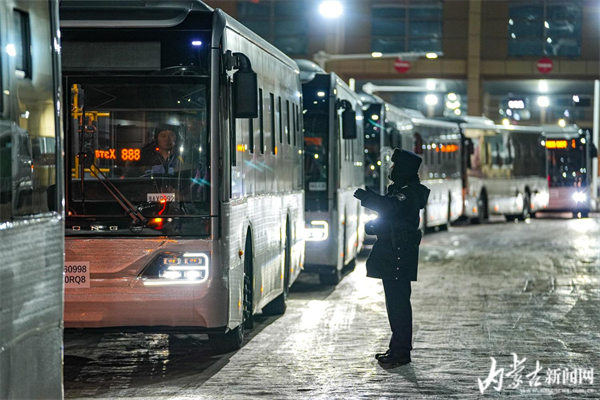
x=130, y=209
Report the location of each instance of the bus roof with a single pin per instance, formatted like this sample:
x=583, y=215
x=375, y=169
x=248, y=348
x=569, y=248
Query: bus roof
x=152, y=14
x=135, y=13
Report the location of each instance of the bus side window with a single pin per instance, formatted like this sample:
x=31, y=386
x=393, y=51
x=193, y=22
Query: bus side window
x=294, y=121
x=280, y=119
x=261, y=124
x=272, y=115
x=297, y=130
x=22, y=43
x=287, y=117
x=418, y=144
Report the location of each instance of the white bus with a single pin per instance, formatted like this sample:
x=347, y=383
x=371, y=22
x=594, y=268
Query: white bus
x=184, y=159
x=31, y=214
x=334, y=147
x=569, y=155
x=506, y=171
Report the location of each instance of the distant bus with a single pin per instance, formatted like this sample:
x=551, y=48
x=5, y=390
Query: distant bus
x=184, y=169
x=505, y=171
x=31, y=213
x=437, y=142
x=569, y=155
x=334, y=159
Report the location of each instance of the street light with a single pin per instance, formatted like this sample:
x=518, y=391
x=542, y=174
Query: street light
x=431, y=99
x=543, y=101
x=331, y=9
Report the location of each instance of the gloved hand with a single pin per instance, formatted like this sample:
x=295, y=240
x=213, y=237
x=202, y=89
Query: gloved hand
x=361, y=194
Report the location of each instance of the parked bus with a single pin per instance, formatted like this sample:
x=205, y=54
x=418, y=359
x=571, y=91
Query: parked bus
x=31, y=214
x=334, y=159
x=569, y=155
x=505, y=171
x=437, y=142
x=184, y=169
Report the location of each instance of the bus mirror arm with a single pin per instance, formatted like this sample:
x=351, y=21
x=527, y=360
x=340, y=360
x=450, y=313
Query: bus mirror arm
x=245, y=86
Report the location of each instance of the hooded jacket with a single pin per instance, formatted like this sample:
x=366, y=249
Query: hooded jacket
x=395, y=254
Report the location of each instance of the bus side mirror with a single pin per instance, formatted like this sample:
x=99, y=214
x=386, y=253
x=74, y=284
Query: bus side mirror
x=245, y=88
x=470, y=150
x=349, y=124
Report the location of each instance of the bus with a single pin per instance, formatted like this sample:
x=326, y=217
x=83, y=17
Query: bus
x=334, y=159
x=31, y=213
x=569, y=155
x=505, y=170
x=437, y=142
x=184, y=179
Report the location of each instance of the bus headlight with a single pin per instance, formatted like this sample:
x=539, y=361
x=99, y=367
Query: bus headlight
x=579, y=197
x=177, y=268
x=317, y=231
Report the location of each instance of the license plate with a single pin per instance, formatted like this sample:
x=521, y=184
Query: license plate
x=156, y=197
x=77, y=274
x=317, y=186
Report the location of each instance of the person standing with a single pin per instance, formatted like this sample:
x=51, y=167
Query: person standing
x=395, y=255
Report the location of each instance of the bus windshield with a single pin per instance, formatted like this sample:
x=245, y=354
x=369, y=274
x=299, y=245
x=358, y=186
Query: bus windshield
x=149, y=141
x=567, y=167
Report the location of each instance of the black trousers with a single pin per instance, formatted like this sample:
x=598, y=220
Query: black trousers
x=397, y=302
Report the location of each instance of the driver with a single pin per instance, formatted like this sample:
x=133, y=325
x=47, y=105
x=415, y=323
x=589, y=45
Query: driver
x=161, y=154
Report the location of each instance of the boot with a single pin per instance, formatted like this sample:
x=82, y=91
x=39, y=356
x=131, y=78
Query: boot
x=379, y=355
x=393, y=359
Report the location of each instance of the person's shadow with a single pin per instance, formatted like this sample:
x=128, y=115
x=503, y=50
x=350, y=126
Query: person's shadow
x=406, y=371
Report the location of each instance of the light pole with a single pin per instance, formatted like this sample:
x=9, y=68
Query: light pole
x=334, y=36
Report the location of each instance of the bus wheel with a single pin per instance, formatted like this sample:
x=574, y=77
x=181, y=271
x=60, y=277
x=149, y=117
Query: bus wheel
x=581, y=214
x=444, y=227
x=278, y=305
x=331, y=279
x=481, y=210
x=526, y=213
x=232, y=340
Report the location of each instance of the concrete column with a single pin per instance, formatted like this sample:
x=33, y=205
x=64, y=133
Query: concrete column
x=474, y=84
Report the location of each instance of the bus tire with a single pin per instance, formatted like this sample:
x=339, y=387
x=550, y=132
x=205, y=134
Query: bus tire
x=331, y=279
x=232, y=340
x=228, y=342
x=482, y=214
x=444, y=227
x=278, y=305
x=526, y=213
x=581, y=214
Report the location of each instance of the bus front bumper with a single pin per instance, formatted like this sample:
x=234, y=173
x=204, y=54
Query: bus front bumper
x=129, y=302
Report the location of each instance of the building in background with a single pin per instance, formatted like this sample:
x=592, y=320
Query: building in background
x=529, y=62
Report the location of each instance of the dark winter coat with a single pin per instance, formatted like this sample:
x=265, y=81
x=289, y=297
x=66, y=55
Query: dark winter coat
x=395, y=254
